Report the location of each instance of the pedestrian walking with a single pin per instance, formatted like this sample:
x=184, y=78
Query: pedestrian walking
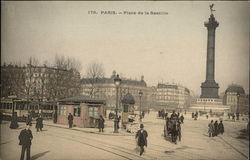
x=237, y=116
x=70, y=119
x=54, y=116
x=118, y=122
x=29, y=119
x=221, y=127
x=210, y=128
x=216, y=128
x=143, y=114
x=141, y=136
x=166, y=115
x=179, y=130
x=233, y=116
x=101, y=124
x=39, y=123
x=192, y=114
x=182, y=118
x=25, y=138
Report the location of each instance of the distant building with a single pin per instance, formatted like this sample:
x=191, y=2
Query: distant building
x=39, y=83
x=104, y=88
x=235, y=96
x=172, y=96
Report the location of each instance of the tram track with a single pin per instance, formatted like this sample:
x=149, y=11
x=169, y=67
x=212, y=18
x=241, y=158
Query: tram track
x=111, y=148
x=231, y=146
x=190, y=153
x=235, y=149
x=130, y=152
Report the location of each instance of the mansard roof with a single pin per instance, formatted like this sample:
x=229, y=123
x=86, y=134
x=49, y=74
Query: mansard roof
x=235, y=88
x=111, y=80
x=160, y=85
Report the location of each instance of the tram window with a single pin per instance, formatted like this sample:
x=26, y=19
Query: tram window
x=1, y=105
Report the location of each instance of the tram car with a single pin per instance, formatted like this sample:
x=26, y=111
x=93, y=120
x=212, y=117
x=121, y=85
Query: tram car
x=172, y=130
x=24, y=108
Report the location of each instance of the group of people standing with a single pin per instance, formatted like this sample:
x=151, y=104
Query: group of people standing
x=215, y=128
x=195, y=115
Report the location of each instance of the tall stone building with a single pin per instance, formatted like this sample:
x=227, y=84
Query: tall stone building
x=172, y=97
x=236, y=98
x=104, y=88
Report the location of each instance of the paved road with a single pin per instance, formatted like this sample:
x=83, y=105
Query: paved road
x=60, y=143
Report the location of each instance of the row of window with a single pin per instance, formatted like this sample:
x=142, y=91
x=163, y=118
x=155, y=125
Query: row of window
x=93, y=111
x=25, y=106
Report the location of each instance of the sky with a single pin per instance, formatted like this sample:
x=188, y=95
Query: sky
x=168, y=48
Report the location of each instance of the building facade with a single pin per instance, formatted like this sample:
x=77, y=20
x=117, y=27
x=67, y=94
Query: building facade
x=172, y=97
x=236, y=98
x=39, y=83
x=104, y=88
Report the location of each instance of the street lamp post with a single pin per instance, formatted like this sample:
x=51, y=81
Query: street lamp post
x=117, y=82
x=140, y=94
x=237, y=109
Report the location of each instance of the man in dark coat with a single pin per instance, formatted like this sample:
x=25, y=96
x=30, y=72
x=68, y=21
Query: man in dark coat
x=174, y=115
x=29, y=119
x=142, y=138
x=70, y=119
x=101, y=124
x=39, y=123
x=182, y=118
x=233, y=117
x=216, y=128
x=221, y=127
x=25, y=138
x=143, y=114
x=55, y=117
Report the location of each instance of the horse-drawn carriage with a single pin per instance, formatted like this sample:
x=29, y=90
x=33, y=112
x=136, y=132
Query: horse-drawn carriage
x=172, y=129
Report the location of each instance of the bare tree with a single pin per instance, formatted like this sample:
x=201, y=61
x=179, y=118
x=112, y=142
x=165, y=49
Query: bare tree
x=12, y=79
x=67, y=63
x=94, y=72
x=30, y=90
x=66, y=78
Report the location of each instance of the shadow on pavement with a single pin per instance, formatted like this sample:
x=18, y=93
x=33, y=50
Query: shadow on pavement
x=36, y=156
